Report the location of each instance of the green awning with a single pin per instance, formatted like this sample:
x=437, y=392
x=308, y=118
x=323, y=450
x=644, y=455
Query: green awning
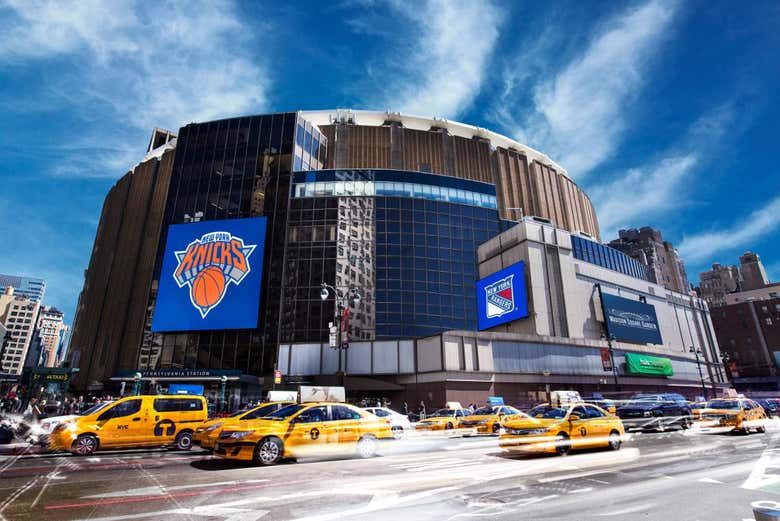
x=646, y=364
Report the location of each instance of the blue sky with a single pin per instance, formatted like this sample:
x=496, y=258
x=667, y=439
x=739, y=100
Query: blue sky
x=665, y=112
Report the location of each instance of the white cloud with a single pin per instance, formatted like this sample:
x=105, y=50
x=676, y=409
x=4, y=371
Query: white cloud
x=133, y=66
x=641, y=193
x=632, y=198
x=703, y=246
x=441, y=70
x=579, y=115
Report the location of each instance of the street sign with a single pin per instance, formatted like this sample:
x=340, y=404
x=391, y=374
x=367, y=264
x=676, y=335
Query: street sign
x=606, y=359
x=277, y=376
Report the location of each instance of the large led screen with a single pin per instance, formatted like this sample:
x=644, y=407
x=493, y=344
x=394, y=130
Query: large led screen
x=211, y=276
x=501, y=297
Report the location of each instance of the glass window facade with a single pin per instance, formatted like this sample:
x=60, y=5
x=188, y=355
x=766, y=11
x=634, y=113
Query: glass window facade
x=411, y=254
x=226, y=169
x=606, y=257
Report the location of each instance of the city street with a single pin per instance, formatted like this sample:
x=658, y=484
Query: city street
x=699, y=476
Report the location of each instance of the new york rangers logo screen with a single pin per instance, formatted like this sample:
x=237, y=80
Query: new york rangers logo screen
x=211, y=276
x=501, y=297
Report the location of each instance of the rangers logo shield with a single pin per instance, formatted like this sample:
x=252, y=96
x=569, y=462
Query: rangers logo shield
x=209, y=265
x=499, y=297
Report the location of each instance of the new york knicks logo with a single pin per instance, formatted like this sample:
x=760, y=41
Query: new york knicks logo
x=209, y=265
x=499, y=297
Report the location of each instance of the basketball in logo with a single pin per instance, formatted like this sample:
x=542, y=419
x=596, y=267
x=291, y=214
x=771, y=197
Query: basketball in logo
x=208, y=286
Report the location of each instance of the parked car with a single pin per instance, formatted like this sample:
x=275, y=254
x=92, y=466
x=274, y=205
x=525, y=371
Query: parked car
x=656, y=412
x=399, y=423
x=771, y=406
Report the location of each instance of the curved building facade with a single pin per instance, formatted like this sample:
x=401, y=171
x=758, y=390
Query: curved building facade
x=393, y=206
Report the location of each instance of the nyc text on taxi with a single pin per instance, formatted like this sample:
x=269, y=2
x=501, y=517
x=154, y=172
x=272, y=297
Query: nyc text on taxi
x=560, y=429
x=304, y=429
x=207, y=434
x=136, y=421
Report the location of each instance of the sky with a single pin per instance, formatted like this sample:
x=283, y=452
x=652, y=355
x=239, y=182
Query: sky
x=665, y=112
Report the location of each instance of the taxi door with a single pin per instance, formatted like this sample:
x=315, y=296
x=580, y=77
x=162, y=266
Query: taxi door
x=346, y=423
x=599, y=425
x=310, y=431
x=580, y=429
x=120, y=425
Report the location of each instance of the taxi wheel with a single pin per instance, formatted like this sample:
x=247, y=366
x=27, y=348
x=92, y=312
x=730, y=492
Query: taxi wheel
x=448, y=426
x=184, y=440
x=563, y=444
x=269, y=451
x=84, y=445
x=614, y=440
x=366, y=446
x=496, y=428
x=761, y=430
x=398, y=431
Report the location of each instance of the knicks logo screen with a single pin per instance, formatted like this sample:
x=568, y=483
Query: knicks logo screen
x=209, y=265
x=211, y=276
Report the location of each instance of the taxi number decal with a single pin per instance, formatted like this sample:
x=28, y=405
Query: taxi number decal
x=315, y=433
x=583, y=431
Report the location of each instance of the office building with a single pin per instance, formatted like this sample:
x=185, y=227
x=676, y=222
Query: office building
x=19, y=315
x=664, y=265
x=28, y=287
x=752, y=270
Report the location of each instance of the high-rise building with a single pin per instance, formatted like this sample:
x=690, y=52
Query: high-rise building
x=28, y=287
x=229, y=250
x=718, y=282
x=20, y=316
x=664, y=265
x=753, y=272
x=749, y=335
x=46, y=343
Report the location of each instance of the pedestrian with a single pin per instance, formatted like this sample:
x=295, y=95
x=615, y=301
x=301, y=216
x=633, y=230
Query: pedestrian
x=406, y=408
x=422, y=410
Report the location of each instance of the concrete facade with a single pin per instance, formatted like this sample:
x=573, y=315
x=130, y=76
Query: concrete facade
x=753, y=272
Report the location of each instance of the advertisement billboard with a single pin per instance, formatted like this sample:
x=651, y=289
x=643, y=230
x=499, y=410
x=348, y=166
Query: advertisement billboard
x=630, y=320
x=651, y=365
x=501, y=297
x=211, y=276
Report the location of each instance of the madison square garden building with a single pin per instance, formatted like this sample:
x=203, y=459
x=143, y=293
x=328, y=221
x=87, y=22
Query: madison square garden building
x=477, y=262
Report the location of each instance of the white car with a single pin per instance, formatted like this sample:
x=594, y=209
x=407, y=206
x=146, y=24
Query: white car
x=398, y=422
x=47, y=424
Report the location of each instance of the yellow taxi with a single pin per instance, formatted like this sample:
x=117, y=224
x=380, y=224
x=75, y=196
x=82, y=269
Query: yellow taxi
x=737, y=414
x=696, y=409
x=206, y=435
x=488, y=420
x=314, y=428
x=134, y=421
x=558, y=429
x=443, y=419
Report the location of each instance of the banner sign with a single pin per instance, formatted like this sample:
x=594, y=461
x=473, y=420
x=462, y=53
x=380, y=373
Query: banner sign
x=211, y=276
x=630, y=320
x=606, y=359
x=501, y=297
x=650, y=365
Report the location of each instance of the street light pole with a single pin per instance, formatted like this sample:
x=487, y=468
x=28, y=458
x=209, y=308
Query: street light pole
x=610, y=338
x=697, y=352
x=342, y=300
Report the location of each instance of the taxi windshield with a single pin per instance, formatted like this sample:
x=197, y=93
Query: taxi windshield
x=443, y=412
x=484, y=410
x=284, y=412
x=239, y=413
x=545, y=411
x=95, y=408
x=724, y=404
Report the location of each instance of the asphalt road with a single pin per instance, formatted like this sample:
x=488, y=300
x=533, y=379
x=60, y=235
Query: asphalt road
x=667, y=476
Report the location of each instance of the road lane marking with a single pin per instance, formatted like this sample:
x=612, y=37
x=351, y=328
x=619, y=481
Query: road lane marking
x=141, y=499
x=710, y=480
x=150, y=491
x=629, y=510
